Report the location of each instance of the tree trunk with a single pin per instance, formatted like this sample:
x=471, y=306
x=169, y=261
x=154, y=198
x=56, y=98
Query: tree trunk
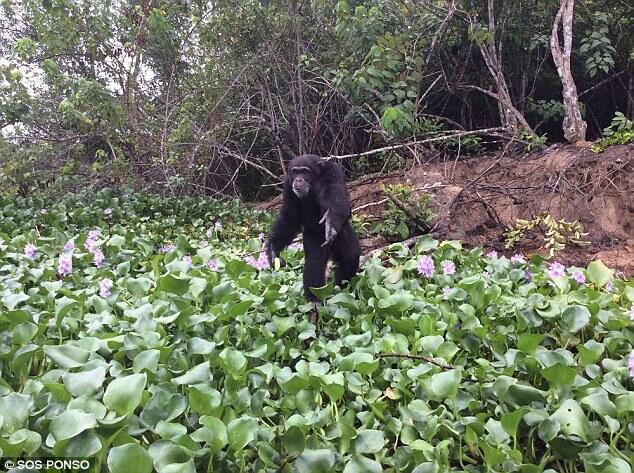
x=573, y=125
x=510, y=117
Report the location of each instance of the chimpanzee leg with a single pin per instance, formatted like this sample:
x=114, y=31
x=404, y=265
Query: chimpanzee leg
x=316, y=259
x=346, y=253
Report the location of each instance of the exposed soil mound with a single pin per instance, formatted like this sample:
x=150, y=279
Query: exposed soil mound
x=477, y=198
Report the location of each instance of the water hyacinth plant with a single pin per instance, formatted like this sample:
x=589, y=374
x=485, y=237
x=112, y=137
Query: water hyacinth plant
x=149, y=364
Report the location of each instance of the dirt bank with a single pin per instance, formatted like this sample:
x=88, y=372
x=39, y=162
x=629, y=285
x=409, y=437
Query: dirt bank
x=476, y=199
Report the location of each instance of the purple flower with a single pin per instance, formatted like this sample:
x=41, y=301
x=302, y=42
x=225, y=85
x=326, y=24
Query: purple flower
x=630, y=364
x=519, y=259
x=90, y=245
x=556, y=269
x=448, y=267
x=108, y=212
x=187, y=259
x=609, y=286
x=261, y=237
x=69, y=246
x=209, y=232
x=492, y=254
x=104, y=288
x=579, y=277
x=426, y=266
x=528, y=276
x=632, y=311
x=65, y=265
x=98, y=257
x=217, y=226
x=261, y=263
x=91, y=242
x=167, y=248
x=204, y=243
x=212, y=264
x=445, y=292
x=30, y=251
x=297, y=246
x=486, y=275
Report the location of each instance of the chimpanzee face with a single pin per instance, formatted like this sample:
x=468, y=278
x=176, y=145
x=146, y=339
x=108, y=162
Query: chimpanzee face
x=302, y=181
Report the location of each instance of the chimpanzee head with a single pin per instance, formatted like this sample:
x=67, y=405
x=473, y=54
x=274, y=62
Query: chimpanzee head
x=303, y=172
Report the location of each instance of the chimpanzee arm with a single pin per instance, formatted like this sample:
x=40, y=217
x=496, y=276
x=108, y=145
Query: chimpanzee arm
x=286, y=226
x=333, y=200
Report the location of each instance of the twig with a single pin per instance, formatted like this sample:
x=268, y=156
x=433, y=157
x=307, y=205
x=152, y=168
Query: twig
x=428, y=359
x=371, y=204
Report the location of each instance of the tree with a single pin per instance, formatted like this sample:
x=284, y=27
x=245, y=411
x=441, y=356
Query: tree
x=573, y=124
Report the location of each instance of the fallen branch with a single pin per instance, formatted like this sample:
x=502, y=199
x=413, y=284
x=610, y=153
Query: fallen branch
x=428, y=359
x=484, y=131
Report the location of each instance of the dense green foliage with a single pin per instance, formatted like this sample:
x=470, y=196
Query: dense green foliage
x=620, y=132
x=185, y=365
x=206, y=97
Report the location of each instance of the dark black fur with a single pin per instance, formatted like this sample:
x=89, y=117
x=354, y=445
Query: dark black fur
x=328, y=193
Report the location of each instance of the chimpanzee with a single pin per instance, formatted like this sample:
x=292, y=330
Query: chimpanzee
x=315, y=200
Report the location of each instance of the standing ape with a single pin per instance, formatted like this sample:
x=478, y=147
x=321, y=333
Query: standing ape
x=315, y=200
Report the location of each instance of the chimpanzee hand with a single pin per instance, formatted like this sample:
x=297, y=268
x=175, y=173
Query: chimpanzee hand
x=330, y=233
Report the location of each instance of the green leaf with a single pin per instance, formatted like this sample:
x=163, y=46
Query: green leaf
x=492, y=455
x=219, y=431
x=600, y=403
x=511, y=420
x=548, y=429
x=123, y=395
x=234, y=361
x=445, y=385
x=129, y=457
x=528, y=342
x=241, y=431
x=599, y=273
x=575, y=318
x=146, y=360
x=294, y=441
x=315, y=461
x=198, y=374
x=139, y=287
x=625, y=403
x=197, y=286
x=559, y=375
x=84, y=383
x=71, y=423
x=173, y=284
x=572, y=419
x=368, y=441
x=523, y=395
x=361, y=464
x=67, y=356
x=14, y=412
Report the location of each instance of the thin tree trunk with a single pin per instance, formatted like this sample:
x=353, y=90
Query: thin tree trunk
x=510, y=117
x=573, y=124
